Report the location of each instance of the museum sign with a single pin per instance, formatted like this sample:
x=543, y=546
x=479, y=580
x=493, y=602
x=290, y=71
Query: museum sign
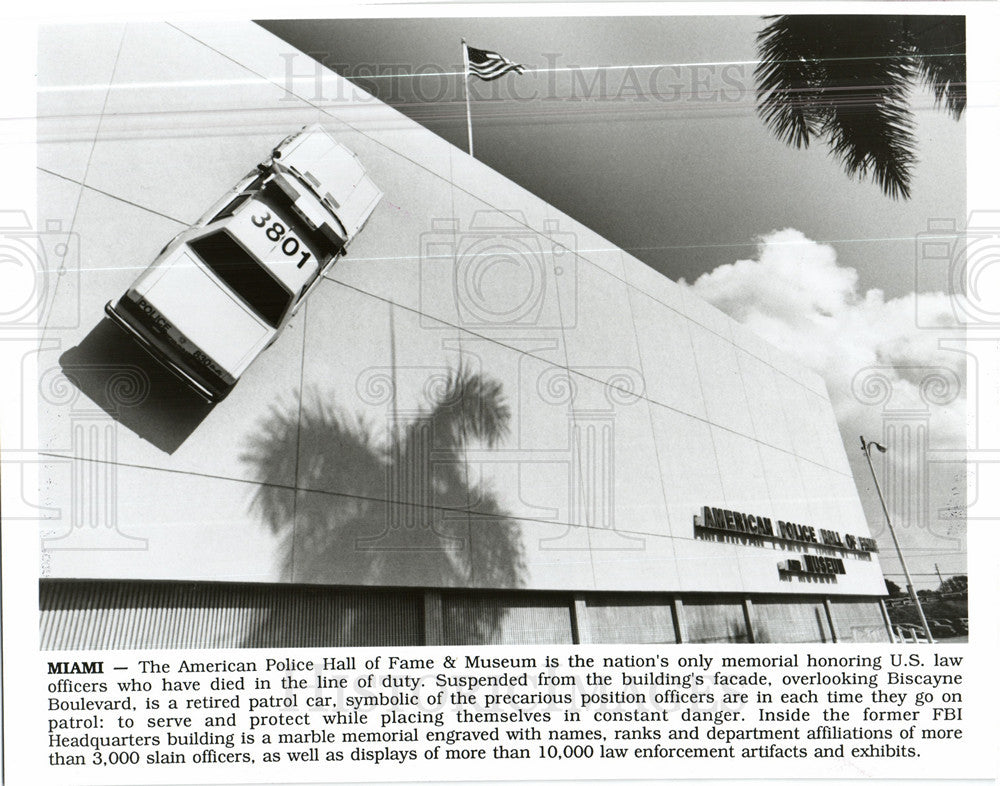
x=759, y=530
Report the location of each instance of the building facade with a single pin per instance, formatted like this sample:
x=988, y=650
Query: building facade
x=488, y=426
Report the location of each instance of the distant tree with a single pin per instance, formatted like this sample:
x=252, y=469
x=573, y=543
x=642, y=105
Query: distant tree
x=926, y=593
x=846, y=80
x=955, y=584
x=893, y=589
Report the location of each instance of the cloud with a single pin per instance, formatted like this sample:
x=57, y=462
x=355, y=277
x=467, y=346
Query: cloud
x=876, y=362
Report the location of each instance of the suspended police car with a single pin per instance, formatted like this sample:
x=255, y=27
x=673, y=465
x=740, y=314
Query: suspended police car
x=221, y=292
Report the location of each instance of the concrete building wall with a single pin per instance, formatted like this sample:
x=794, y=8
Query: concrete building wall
x=601, y=406
x=133, y=615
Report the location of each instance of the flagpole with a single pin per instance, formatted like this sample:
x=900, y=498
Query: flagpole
x=468, y=107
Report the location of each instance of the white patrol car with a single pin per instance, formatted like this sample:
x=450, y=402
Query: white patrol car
x=220, y=292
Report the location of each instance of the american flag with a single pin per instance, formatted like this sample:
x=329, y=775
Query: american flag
x=490, y=65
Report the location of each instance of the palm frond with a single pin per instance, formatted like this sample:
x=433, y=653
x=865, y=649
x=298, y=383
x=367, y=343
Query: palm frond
x=868, y=124
x=470, y=404
x=846, y=80
x=789, y=76
x=939, y=45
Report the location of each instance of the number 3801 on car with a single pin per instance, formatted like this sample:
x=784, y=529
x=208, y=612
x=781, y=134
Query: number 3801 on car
x=221, y=291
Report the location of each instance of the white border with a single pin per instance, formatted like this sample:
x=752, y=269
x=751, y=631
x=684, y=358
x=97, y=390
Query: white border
x=17, y=56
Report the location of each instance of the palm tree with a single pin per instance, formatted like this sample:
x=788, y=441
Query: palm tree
x=846, y=79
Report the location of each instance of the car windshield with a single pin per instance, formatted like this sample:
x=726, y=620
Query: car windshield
x=244, y=275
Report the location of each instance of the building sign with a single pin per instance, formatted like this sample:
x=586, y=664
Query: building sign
x=757, y=530
x=762, y=529
x=811, y=566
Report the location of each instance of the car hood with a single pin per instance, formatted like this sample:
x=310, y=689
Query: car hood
x=204, y=311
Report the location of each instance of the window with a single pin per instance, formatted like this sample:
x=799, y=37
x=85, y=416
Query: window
x=715, y=620
x=506, y=618
x=631, y=619
x=244, y=275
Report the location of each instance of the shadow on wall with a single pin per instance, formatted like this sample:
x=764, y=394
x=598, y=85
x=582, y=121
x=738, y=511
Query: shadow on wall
x=364, y=513
x=112, y=371
x=733, y=632
x=738, y=633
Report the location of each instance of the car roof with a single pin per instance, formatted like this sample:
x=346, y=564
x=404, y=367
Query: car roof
x=283, y=267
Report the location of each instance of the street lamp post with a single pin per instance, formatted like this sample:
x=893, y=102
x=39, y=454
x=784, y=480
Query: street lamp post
x=867, y=448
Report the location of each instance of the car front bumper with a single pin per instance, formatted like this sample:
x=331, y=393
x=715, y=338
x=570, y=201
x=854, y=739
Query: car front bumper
x=206, y=392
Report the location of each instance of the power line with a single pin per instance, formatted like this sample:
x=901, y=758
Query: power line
x=932, y=573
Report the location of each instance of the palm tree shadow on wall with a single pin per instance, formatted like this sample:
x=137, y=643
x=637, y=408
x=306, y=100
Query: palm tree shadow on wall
x=373, y=514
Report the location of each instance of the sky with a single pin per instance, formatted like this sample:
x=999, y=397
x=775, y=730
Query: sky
x=645, y=130
x=673, y=165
